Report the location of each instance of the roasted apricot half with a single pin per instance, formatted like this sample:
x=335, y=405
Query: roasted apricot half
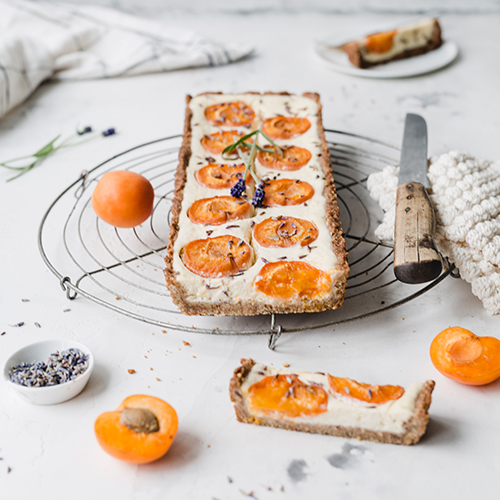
x=141, y=430
x=230, y=114
x=464, y=357
x=287, y=395
x=374, y=394
x=285, y=127
x=293, y=158
x=291, y=280
x=282, y=192
x=217, y=142
x=380, y=43
x=284, y=232
x=218, y=210
x=217, y=257
x=216, y=176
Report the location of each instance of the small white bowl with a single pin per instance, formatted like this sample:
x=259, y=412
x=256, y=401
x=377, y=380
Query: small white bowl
x=54, y=394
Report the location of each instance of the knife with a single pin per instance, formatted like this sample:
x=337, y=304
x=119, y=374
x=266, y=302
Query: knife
x=416, y=259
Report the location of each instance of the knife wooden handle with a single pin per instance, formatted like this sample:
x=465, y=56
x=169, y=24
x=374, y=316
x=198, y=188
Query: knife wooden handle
x=416, y=259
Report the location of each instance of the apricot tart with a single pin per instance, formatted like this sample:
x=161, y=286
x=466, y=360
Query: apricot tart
x=323, y=404
x=273, y=246
x=401, y=43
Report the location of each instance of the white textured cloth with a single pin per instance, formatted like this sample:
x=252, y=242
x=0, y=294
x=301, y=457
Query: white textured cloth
x=465, y=193
x=45, y=40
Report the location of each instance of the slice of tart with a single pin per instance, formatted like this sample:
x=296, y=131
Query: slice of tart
x=320, y=403
x=401, y=43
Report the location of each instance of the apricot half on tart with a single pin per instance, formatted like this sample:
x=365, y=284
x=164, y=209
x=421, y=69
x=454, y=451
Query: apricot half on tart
x=216, y=143
x=230, y=114
x=374, y=394
x=284, y=232
x=218, y=210
x=380, y=43
x=216, y=176
x=464, y=357
x=217, y=257
x=282, y=192
x=141, y=430
x=287, y=395
x=291, y=280
x=293, y=158
x=285, y=127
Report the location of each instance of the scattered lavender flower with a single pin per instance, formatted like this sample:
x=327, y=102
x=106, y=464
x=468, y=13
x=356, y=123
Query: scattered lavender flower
x=258, y=195
x=239, y=188
x=85, y=130
x=110, y=131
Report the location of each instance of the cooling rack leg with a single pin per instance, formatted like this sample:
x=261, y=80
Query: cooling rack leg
x=70, y=295
x=273, y=338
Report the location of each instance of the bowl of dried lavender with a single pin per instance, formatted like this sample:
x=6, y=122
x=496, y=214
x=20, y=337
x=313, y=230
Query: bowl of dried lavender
x=49, y=372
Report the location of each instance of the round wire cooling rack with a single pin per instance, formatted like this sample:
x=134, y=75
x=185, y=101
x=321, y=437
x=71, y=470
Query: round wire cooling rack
x=122, y=268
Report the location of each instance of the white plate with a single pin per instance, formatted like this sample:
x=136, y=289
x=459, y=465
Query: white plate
x=337, y=60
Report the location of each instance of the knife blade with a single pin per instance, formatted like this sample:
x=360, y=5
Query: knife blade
x=416, y=259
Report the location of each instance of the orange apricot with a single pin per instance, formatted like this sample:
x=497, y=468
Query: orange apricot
x=285, y=127
x=284, y=232
x=380, y=43
x=218, y=210
x=230, y=114
x=141, y=430
x=217, y=176
x=216, y=143
x=217, y=257
x=123, y=198
x=293, y=158
x=287, y=395
x=374, y=394
x=291, y=280
x=464, y=357
x=282, y=192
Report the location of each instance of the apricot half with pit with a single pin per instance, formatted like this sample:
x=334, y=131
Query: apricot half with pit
x=141, y=430
x=464, y=357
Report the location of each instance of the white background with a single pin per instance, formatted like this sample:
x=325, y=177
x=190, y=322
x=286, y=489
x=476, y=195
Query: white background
x=52, y=451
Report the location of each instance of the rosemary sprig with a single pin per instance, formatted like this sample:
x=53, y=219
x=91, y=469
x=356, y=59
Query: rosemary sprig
x=241, y=142
x=49, y=149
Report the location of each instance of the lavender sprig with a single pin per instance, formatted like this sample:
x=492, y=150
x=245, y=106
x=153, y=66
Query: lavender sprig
x=258, y=196
x=49, y=149
x=239, y=188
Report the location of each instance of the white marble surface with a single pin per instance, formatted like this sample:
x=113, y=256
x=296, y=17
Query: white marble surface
x=52, y=450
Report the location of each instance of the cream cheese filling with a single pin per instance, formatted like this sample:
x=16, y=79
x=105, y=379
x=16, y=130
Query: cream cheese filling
x=319, y=254
x=346, y=412
x=407, y=37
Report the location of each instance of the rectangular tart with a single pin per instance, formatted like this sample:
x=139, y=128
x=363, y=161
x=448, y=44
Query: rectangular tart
x=348, y=409
x=401, y=43
x=293, y=271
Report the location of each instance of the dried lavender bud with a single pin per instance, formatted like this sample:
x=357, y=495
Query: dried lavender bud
x=59, y=368
x=258, y=196
x=110, y=131
x=239, y=188
x=85, y=130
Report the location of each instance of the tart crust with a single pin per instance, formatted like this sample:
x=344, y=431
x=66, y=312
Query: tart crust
x=249, y=307
x=415, y=427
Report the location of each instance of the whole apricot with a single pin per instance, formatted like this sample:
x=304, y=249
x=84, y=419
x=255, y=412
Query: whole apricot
x=464, y=357
x=141, y=430
x=123, y=198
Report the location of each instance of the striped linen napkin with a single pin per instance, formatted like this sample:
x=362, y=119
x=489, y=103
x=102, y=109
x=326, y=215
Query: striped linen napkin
x=46, y=40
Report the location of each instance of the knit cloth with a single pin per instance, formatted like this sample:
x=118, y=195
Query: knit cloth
x=465, y=192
